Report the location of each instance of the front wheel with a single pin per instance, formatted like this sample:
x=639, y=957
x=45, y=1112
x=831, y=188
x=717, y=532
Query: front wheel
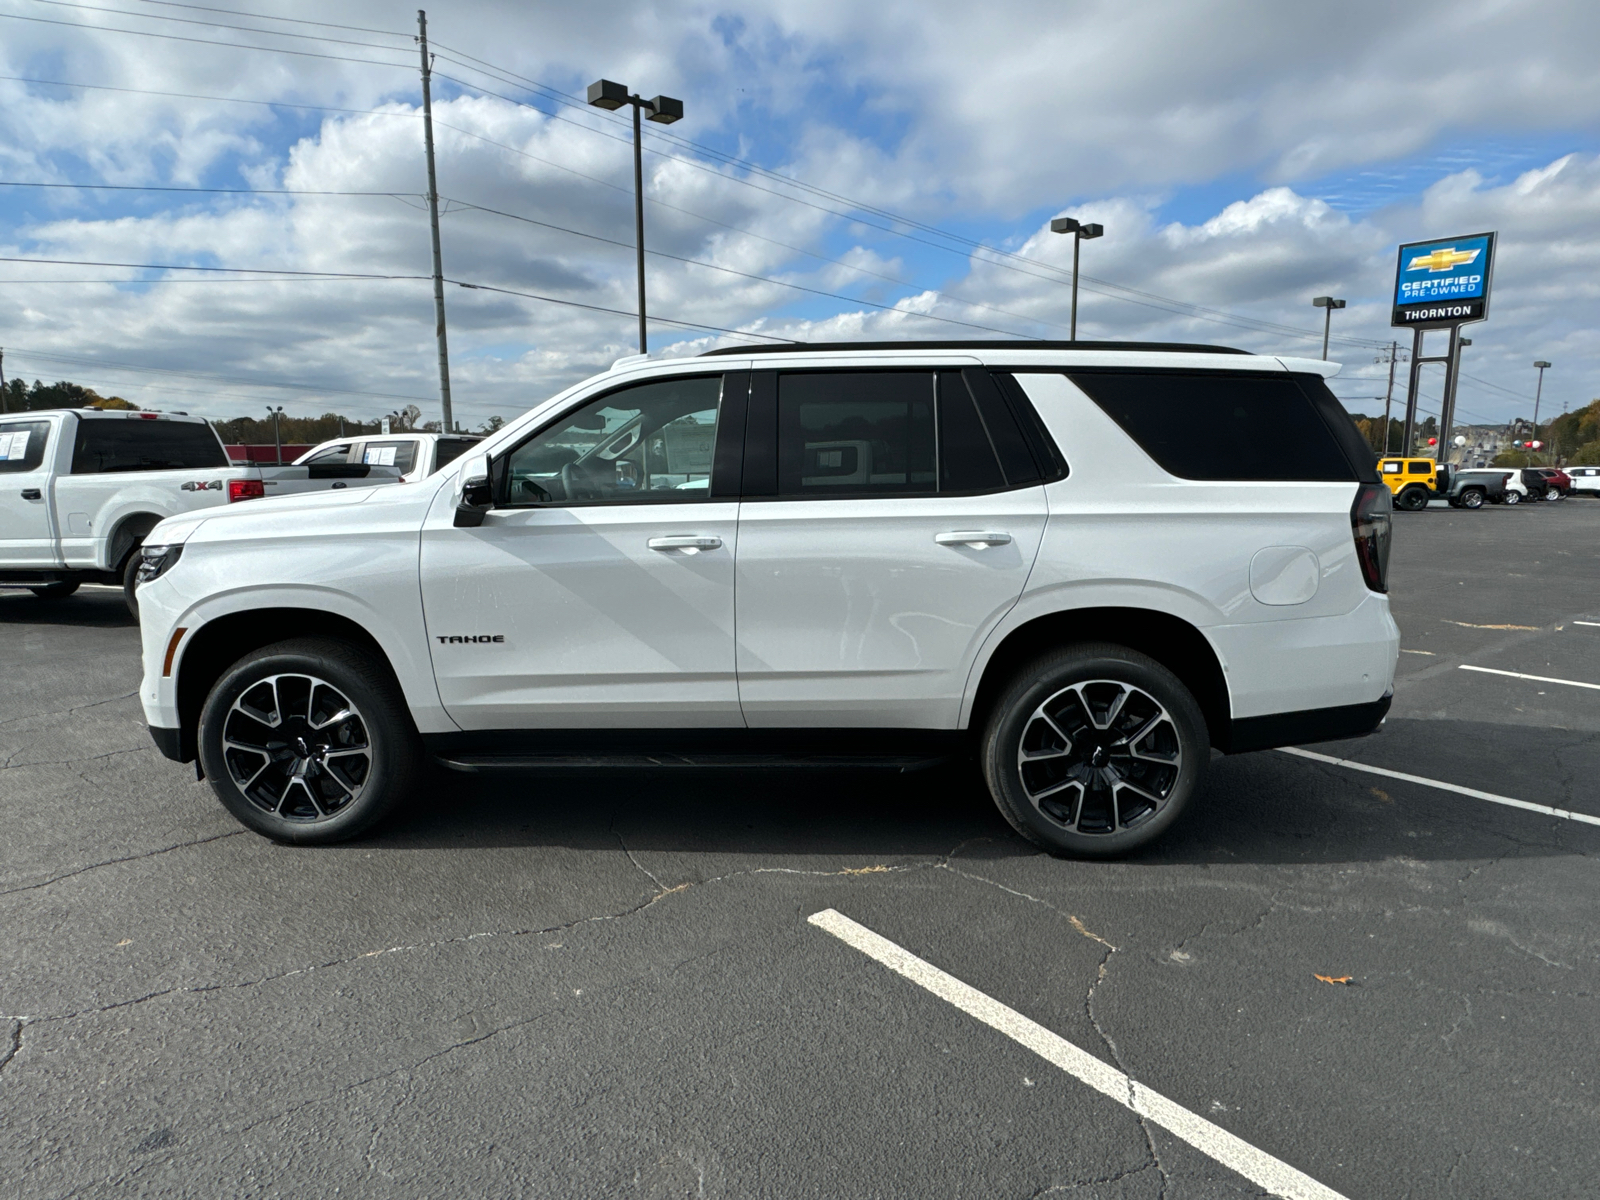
x=1094, y=750
x=130, y=579
x=308, y=741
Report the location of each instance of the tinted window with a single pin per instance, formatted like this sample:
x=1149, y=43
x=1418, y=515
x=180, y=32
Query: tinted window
x=333, y=454
x=856, y=433
x=646, y=444
x=967, y=460
x=22, y=445
x=447, y=450
x=1418, y=468
x=137, y=445
x=400, y=455
x=1230, y=426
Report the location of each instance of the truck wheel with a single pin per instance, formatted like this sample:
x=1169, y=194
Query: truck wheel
x=56, y=591
x=1472, y=498
x=308, y=741
x=1412, y=500
x=1094, y=750
x=130, y=578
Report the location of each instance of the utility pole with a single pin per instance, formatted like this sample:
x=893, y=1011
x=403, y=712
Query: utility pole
x=2, y=379
x=1388, y=396
x=433, y=221
x=277, y=436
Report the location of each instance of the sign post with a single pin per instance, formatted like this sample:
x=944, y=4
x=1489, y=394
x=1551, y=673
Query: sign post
x=1440, y=284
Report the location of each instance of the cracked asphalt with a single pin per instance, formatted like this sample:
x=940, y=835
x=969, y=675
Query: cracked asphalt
x=604, y=983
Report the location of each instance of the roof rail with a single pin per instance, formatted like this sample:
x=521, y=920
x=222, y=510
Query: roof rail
x=987, y=344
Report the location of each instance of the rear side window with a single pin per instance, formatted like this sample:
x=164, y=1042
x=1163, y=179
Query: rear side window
x=22, y=446
x=400, y=455
x=1236, y=426
x=856, y=433
x=447, y=450
x=1419, y=469
x=137, y=445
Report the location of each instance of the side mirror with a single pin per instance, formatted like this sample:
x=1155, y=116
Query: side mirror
x=477, y=495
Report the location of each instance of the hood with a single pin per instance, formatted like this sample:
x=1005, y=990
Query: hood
x=179, y=529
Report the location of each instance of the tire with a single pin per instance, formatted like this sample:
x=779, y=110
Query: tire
x=56, y=591
x=130, y=578
x=1552, y=493
x=1412, y=500
x=359, y=766
x=1512, y=497
x=1090, y=699
x=1472, y=498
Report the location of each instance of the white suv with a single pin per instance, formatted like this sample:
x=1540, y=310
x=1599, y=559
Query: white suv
x=1087, y=563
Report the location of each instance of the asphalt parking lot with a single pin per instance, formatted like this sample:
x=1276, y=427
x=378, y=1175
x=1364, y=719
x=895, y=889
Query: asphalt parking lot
x=607, y=984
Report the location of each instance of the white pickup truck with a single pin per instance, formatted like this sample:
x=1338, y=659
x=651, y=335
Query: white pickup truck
x=414, y=455
x=80, y=489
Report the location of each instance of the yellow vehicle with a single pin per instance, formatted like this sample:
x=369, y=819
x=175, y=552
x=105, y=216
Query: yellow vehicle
x=1412, y=481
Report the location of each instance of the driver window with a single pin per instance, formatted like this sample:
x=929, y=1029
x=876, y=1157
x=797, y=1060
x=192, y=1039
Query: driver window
x=646, y=444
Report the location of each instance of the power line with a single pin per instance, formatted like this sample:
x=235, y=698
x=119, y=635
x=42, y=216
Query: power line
x=73, y=262
x=134, y=187
x=123, y=12
x=269, y=17
x=484, y=287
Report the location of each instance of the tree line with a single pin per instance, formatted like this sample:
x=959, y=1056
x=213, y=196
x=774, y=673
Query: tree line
x=303, y=431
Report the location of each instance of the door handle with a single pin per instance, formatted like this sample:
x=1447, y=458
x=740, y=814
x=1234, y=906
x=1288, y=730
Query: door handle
x=32, y=494
x=689, y=544
x=341, y=484
x=977, y=539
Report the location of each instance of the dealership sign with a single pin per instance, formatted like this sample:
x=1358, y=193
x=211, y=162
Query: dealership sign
x=1444, y=281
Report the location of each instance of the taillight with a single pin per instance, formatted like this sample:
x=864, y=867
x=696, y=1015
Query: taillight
x=1370, y=522
x=246, y=489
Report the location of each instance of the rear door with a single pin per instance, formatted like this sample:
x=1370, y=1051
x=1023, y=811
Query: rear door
x=889, y=520
x=27, y=527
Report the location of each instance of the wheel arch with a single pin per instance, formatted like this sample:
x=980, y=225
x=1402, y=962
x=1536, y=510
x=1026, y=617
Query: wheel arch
x=219, y=643
x=130, y=529
x=1175, y=643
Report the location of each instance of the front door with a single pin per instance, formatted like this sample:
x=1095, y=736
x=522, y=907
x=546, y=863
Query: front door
x=27, y=535
x=598, y=592
x=897, y=537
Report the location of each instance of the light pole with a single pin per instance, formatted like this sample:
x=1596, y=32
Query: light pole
x=1327, y=304
x=277, y=437
x=1537, y=392
x=1079, y=233
x=663, y=110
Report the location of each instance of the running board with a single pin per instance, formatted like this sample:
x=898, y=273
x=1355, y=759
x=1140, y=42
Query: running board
x=480, y=763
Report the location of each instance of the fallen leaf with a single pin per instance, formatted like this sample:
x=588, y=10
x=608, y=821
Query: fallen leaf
x=125, y=942
x=1334, y=978
x=1382, y=795
x=1469, y=625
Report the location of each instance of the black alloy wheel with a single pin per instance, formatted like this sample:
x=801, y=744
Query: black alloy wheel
x=1413, y=499
x=1094, y=751
x=130, y=577
x=308, y=741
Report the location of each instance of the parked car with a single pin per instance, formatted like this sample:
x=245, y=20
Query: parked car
x=83, y=488
x=1501, y=486
x=1585, y=481
x=1057, y=557
x=414, y=455
x=1412, y=481
x=1474, y=489
x=1554, y=483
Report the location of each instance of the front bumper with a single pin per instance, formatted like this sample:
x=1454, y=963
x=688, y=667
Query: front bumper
x=173, y=743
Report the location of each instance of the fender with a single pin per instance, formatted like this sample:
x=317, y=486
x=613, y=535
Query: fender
x=1166, y=599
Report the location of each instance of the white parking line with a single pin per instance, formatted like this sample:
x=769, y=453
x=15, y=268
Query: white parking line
x=1508, y=801
x=1257, y=1166
x=1535, y=678
x=1595, y=624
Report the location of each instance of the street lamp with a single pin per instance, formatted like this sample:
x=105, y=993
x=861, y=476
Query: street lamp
x=1539, y=391
x=663, y=110
x=1327, y=304
x=277, y=438
x=1079, y=233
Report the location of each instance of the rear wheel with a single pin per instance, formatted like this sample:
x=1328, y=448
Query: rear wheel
x=1552, y=493
x=308, y=741
x=130, y=579
x=1094, y=750
x=1472, y=498
x=1412, y=500
x=56, y=591
x=1513, y=498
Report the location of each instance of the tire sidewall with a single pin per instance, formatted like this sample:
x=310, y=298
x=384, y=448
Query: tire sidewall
x=390, y=733
x=1472, y=498
x=130, y=578
x=1045, y=678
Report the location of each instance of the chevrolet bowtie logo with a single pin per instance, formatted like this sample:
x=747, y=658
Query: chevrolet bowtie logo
x=1443, y=259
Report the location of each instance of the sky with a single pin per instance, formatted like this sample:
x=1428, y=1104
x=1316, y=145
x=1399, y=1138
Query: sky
x=843, y=171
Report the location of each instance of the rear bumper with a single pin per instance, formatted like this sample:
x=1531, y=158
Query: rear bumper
x=173, y=743
x=1309, y=725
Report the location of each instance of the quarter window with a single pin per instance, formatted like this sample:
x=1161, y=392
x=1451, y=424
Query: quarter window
x=647, y=444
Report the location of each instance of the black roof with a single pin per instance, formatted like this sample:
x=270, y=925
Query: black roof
x=986, y=344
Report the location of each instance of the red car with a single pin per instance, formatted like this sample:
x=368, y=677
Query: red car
x=1557, y=482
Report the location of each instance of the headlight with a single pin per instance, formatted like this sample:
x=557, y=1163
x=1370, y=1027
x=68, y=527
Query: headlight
x=156, y=561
